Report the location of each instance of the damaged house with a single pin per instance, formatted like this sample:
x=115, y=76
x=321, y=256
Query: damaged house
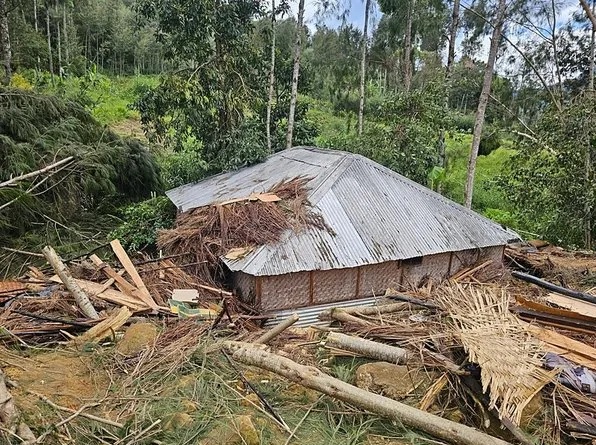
x=380, y=230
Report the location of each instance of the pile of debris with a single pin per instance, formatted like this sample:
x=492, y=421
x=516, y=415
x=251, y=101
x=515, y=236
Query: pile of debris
x=88, y=295
x=472, y=360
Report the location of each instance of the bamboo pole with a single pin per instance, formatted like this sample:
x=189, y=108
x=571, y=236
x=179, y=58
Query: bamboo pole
x=66, y=277
x=313, y=378
x=367, y=348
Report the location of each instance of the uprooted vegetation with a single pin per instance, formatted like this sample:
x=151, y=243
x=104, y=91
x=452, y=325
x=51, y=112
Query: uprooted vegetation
x=63, y=174
x=137, y=377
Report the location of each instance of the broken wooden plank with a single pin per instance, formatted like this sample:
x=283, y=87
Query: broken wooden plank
x=105, y=328
x=66, y=277
x=134, y=274
x=313, y=378
x=534, y=305
x=580, y=307
x=113, y=296
x=555, y=320
x=574, y=350
x=122, y=284
x=553, y=287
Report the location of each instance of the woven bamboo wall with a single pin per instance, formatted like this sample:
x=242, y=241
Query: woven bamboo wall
x=376, y=278
x=245, y=285
x=467, y=258
x=285, y=291
x=302, y=289
x=334, y=285
x=433, y=267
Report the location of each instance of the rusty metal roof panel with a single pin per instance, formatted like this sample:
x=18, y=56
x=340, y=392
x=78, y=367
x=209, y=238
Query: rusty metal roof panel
x=374, y=214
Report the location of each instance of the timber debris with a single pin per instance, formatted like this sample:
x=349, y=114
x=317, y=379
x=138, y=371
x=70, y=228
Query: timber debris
x=467, y=361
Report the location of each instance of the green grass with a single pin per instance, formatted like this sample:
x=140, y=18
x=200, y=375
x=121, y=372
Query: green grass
x=486, y=196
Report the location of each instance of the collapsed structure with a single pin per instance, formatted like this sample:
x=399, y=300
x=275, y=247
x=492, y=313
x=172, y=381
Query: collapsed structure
x=380, y=230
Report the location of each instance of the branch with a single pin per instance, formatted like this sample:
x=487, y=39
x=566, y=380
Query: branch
x=526, y=58
x=36, y=172
x=588, y=12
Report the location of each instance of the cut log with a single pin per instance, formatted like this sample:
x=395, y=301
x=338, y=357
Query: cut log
x=553, y=287
x=340, y=314
x=313, y=378
x=104, y=329
x=276, y=330
x=66, y=277
x=365, y=310
x=134, y=274
x=367, y=348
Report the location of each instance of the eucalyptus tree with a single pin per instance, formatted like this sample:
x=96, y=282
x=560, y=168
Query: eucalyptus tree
x=295, y=74
x=5, y=51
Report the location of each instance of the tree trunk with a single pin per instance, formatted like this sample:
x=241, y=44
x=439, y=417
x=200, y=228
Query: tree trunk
x=59, y=50
x=35, y=16
x=442, y=158
x=367, y=348
x=49, y=35
x=5, y=51
x=276, y=330
x=65, y=34
x=408, y=48
x=363, y=67
x=483, y=101
x=313, y=378
x=592, y=53
x=294, y=96
x=62, y=271
x=271, y=78
x=589, y=13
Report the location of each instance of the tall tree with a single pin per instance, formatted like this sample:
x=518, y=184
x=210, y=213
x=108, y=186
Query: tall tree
x=271, y=77
x=483, y=100
x=5, y=50
x=408, y=47
x=49, y=37
x=453, y=27
x=295, y=74
x=363, y=67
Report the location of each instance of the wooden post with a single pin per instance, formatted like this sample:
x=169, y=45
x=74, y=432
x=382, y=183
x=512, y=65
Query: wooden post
x=276, y=330
x=62, y=271
x=313, y=378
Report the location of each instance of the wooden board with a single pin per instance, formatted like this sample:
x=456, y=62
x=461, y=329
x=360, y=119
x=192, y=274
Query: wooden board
x=134, y=275
x=113, y=296
x=569, y=348
x=581, y=307
x=553, y=310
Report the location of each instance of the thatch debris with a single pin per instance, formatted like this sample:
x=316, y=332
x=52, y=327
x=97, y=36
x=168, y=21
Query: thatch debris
x=234, y=227
x=510, y=358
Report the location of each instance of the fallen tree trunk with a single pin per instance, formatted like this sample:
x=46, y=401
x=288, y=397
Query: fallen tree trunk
x=312, y=378
x=276, y=330
x=65, y=276
x=342, y=315
x=553, y=287
x=367, y=348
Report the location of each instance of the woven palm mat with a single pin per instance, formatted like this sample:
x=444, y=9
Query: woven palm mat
x=509, y=357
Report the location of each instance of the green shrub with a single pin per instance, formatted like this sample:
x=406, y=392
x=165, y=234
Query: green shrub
x=463, y=122
x=142, y=221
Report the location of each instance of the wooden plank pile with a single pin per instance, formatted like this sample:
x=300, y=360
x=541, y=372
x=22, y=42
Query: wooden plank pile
x=58, y=302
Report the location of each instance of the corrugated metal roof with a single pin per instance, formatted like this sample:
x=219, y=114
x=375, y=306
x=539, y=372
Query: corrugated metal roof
x=376, y=215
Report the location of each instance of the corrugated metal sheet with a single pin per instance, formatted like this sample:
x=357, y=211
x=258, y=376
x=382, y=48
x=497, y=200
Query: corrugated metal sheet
x=309, y=316
x=375, y=214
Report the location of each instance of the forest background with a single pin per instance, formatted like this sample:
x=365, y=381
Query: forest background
x=488, y=102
